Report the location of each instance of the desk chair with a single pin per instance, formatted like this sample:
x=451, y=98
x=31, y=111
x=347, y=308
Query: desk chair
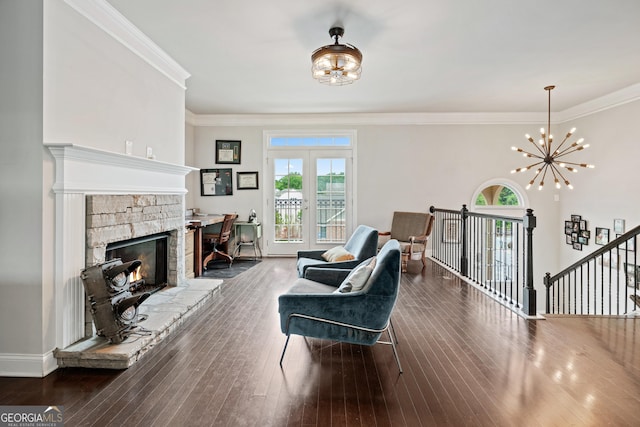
x=218, y=243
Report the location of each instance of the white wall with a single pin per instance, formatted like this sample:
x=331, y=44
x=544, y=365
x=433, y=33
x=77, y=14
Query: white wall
x=21, y=256
x=610, y=190
x=63, y=80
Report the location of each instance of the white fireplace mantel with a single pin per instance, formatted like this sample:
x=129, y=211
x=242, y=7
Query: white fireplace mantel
x=80, y=171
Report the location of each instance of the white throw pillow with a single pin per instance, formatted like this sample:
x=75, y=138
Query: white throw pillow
x=358, y=277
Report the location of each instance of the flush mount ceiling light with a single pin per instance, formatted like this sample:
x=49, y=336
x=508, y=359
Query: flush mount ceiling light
x=550, y=157
x=336, y=64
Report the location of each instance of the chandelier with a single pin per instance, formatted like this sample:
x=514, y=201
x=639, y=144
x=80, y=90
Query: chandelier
x=550, y=158
x=336, y=64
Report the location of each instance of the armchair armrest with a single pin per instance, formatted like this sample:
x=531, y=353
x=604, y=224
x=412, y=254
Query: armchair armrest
x=328, y=276
x=384, y=233
x=313, y=254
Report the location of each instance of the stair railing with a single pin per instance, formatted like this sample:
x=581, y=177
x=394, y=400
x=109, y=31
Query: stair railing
x=604, y=282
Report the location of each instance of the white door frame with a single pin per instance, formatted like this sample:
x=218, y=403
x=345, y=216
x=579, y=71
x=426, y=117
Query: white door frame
x=348, y=152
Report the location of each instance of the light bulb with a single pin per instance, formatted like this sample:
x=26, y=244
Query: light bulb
x=528, y=186
x=557, y=184
x=580, y=141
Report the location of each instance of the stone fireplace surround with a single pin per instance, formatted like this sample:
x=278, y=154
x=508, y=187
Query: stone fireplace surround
x=113, y=218
x=102, y=197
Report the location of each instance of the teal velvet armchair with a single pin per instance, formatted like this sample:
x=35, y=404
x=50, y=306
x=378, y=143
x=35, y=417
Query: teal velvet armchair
x=362, y=244
x=320, y=309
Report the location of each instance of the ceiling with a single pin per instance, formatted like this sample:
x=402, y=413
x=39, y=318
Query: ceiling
x=254, y=57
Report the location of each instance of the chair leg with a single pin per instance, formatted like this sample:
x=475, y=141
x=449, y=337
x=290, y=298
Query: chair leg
x=284, y=350
x=405, y=261
x=393, y=341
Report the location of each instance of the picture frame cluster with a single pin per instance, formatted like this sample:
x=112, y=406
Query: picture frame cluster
x=576, y=232
x=219, y=181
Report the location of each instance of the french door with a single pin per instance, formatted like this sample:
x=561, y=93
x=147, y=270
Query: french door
x=308, y=199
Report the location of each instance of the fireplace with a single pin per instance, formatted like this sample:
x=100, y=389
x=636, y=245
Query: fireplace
x=103, y=197
x=151, y=250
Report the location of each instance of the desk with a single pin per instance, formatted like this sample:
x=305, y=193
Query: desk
x=198, y=223
x=247, y=234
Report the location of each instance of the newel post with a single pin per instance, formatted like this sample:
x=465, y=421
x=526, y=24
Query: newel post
x=464, y=261
x=529, y=293
x=547, y=284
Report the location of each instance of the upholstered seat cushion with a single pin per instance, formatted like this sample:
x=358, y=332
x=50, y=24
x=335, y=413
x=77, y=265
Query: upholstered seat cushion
x=306, y=286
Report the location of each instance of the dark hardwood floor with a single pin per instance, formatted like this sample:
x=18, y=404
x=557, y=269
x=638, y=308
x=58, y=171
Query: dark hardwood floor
x=467, y=361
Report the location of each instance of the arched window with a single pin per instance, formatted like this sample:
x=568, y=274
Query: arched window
x=497, y=195
x=500, y=194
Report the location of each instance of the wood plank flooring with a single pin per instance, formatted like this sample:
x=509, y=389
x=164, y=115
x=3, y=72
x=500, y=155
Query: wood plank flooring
x=467, y=361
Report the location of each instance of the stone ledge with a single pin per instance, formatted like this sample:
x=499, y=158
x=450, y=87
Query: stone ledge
x=166, y=310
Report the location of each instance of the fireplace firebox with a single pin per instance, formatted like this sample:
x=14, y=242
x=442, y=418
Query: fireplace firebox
x=151, y=250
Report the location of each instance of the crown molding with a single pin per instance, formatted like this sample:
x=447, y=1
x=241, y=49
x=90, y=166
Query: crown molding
x=190, y=118
x=365, y=119
x=107, y=18
x=606, y=102
x=612, y=100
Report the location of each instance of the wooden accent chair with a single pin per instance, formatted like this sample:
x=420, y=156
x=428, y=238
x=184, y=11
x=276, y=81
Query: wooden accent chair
x=412, y=230
x=218, y=243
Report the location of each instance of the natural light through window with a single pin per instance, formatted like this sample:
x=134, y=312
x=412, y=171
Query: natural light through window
x=323, y=141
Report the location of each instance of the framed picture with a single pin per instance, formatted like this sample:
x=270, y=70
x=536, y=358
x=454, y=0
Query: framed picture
x=568, y=239
x=574, y=237
x=583, y=240
x=450, y=230
x=583, y=224
x=247, y=180
x=618, y=226
x=576, y=218
x=632, y=275
x=602, y=236
x=577, y=246
x=216, y=182
x=568, y=227
x=585, y=233
x=227, y=152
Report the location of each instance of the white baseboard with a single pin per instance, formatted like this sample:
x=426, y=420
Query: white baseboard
x=27, y=365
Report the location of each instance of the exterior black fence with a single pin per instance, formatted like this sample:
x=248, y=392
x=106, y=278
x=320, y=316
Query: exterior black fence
x=604, y=282
x=495, y=252
x=330, y=215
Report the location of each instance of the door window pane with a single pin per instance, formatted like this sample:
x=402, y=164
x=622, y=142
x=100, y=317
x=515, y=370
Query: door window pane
x=288, y=199
x=330, y=200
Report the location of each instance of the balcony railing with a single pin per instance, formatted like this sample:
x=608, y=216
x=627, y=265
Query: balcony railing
x=495, y=252
x=330, y=225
